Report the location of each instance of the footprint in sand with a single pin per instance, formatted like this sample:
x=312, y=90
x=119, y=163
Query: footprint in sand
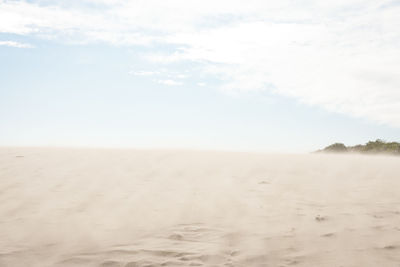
x=320, y=218
x=112, y=264
x=178, y=237
x=172, y=263
x=390, y=247
x=328, y=235
x=75, y=261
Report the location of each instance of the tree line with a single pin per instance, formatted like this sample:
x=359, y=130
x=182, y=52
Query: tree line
x=377, y=146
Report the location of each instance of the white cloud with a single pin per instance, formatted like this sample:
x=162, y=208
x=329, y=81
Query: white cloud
x=327, y=65
x=181, y=76
x=143, y=73
x=167, y=74
x=170, y=82
x=15, y=44
x=342, y=55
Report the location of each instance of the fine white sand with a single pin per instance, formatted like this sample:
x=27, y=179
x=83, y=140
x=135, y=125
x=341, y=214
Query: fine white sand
x=82, y=207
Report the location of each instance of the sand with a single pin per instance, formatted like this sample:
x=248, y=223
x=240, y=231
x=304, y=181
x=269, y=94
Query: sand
x=88, y=207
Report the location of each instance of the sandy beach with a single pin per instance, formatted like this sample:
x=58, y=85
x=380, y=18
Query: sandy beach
x=105, y=207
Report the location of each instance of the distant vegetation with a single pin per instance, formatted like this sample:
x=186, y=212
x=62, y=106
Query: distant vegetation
x=378, y=146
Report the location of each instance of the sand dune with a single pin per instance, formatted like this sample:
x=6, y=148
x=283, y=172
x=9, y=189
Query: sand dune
x=82, y=207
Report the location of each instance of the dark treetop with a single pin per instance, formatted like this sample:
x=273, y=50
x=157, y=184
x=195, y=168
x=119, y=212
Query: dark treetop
x=378, y=146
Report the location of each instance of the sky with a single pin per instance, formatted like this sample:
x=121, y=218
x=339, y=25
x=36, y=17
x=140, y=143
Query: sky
x=274, y=76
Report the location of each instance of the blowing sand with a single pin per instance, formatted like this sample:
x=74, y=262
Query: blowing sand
x=70, y=207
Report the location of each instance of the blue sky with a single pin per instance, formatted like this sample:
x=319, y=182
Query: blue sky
x=226, y=75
